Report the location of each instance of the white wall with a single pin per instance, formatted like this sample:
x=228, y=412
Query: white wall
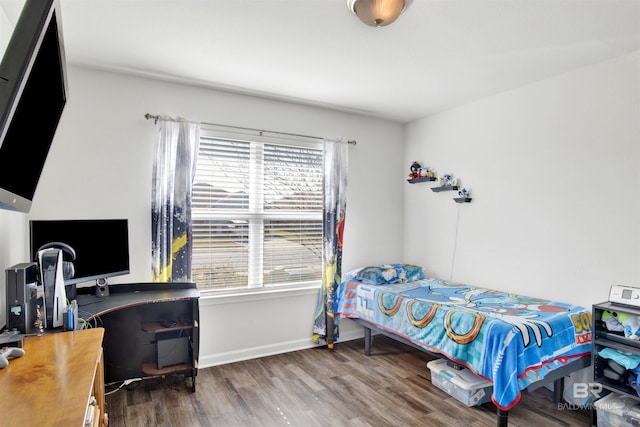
x=12, y=224
x=554, y=169
x=553, y=166
x=100, y=166
x=5, y=30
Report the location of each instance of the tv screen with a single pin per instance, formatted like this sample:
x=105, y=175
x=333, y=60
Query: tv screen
x=33, y=93
x=101, y=245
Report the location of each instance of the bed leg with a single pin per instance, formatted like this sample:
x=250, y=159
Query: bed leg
x=558, y=390
x=503, y=418
x=367, y=341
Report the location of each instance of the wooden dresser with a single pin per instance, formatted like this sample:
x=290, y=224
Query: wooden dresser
x=58, y=381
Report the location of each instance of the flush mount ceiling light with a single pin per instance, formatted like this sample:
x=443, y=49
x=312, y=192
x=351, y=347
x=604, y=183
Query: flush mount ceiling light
x=378, y=13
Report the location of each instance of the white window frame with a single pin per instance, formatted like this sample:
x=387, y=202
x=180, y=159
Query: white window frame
x=256, y=214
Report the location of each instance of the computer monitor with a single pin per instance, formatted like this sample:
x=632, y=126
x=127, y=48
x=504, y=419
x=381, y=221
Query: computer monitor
x=33, y=93
x=101, y=245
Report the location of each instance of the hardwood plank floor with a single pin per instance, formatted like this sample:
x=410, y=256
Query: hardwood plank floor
x=321, y=387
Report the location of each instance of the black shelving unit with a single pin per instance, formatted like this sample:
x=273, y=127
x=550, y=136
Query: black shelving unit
x=603, y=338
x=164, y=332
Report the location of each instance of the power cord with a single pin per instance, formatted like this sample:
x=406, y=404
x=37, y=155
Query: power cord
x=455, y=244
x=124, y=384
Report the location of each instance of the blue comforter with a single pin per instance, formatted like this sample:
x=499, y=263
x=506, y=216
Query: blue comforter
x=510, y=340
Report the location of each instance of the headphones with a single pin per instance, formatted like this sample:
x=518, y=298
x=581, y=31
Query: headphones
x=68, y=270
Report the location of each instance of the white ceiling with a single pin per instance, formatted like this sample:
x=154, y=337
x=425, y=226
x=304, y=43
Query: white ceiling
x=439, y=54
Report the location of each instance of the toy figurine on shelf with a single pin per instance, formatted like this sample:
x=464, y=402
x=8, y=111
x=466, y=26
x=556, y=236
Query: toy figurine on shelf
x=447, y=180
x=415, y=170
x=426, y=173
x=465, y=196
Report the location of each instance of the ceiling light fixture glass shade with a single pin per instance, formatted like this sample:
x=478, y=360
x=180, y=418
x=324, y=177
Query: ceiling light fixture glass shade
x=378, y=13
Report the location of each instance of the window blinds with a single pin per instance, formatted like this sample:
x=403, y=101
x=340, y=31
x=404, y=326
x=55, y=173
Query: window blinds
x=257, y=212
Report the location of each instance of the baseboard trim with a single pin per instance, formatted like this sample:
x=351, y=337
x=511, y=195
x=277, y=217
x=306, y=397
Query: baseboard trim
x=206, y=361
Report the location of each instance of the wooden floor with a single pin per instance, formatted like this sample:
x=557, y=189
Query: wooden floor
x=321, y=387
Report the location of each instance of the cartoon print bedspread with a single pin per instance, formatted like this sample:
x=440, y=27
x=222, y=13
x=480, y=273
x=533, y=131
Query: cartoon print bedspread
x=511, y=340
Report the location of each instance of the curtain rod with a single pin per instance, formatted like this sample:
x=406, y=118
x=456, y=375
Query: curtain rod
x=155, y=118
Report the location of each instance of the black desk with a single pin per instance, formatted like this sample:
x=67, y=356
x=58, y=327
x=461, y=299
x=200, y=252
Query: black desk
x=136, y=317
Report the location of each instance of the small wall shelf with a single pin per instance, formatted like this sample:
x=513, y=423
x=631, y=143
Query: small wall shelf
x=421, y=179
x=462, y=199
x=444, y=188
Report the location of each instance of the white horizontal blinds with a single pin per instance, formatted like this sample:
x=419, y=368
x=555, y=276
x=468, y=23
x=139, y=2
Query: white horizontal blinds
x=257, y=212
x=220, y=209
x=293, y=214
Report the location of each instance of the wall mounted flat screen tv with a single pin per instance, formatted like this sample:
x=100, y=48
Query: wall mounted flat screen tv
x=101, y=245
x=33, y=93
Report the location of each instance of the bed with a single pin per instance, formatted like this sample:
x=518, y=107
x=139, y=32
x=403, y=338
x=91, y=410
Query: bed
x=516, y=342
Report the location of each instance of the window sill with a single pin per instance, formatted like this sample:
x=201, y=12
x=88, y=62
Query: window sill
x=231, y=296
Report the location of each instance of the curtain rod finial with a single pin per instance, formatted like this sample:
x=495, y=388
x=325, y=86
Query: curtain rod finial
x=151, y=116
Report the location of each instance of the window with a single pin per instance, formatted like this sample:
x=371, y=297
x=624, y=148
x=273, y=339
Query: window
x=257, y=211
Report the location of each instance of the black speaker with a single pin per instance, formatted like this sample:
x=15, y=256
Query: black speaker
x=173, y=351
x=102, y=288
x=22, y=297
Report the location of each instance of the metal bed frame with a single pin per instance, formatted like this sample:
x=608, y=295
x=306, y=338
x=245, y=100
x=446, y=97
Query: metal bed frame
x=556, y=376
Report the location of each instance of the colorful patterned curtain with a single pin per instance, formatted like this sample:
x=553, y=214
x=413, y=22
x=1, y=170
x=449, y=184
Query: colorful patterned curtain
x=176, y=151
x=336, y=159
